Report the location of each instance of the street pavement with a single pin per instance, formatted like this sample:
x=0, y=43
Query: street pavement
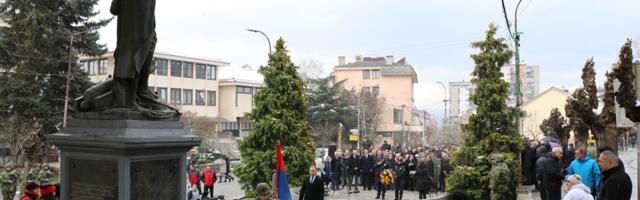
x=231, y=190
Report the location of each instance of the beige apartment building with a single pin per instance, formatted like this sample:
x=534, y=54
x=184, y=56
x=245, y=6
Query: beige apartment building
x=539, y=109
x=192, y=85
x=399, y=121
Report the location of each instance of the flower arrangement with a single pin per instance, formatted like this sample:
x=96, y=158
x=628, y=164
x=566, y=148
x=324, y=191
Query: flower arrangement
x=387, y=177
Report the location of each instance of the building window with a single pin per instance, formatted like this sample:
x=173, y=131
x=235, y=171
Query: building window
x=176, y=95
x=188, y=96
x=93, y=67
x=161, y=67
x=375, y=74
x=366, y=74
x=366, y=90
x=200, y=97
x=162, y=93
x=229, y=126
x=211, y=98
x=211, y=72
x=176, y=68
x=187, y=70
x=200, y=71
x=102, y=66
x=397, y=116
x=244, y=90
x=375, y=91
x=246, y=126
x=84, y=65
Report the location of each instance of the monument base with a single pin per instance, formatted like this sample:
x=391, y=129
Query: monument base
x=123, y=159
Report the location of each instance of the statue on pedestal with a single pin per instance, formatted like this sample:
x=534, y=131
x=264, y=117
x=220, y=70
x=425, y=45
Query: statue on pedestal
x=128, y=90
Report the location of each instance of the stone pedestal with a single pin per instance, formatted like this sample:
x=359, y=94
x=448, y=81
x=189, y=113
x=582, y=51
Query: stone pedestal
x=123, y=159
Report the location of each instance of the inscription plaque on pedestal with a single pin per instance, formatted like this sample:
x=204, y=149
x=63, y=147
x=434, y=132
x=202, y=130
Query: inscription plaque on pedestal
x=155, y=179
x=93, y=179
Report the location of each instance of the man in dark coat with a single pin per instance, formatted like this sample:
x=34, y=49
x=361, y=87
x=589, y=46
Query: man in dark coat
x=552, y=174
x=385, y=146
x=423, y=180
x=528, y=164
x=367, y=170
x=616, y=184
x=400, y=170
x=353, y=171
x=313, y=186
x=380, y=166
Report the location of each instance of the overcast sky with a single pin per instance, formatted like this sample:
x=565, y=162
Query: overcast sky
x=433, y=35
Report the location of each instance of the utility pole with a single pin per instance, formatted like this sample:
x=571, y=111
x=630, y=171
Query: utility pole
x=66, y=96
x=515, y=35
x=444, y=92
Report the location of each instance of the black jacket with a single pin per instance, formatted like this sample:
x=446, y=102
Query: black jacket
x=312, y=191
x=367, y=164
x=354, y=166
x=552, y=174
x=423, y=179
x=616, y=184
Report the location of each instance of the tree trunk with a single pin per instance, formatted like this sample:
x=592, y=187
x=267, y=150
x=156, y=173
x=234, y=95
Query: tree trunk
x=606, y=136
x=581, y=139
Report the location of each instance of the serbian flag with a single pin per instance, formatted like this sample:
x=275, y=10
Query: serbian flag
x=281, y=175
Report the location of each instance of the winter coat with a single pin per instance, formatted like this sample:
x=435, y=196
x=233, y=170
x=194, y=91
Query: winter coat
x=353, y=166
x=367, y=164
x=579, y=192
x=400, y=170
x=423, y=179
x=540, y=167
x=528, y=158
x=209, y=177
x=326, y=169
x=552, y=174
x=588, y=169
x=29, y=195
x=616, y=184
x=194, y=177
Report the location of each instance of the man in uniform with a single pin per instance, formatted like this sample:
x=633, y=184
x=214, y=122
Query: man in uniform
x=8, y=180
x=499, y=178
x=44, y=175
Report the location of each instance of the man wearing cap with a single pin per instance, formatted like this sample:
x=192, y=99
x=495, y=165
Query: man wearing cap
x=499, y=178
x=8, y=180
x=263, y=192
x=576, y=189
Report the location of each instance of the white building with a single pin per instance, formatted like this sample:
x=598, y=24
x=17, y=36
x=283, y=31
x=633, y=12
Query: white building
x=529, y=79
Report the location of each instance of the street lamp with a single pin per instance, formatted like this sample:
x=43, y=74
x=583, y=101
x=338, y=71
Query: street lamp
x=265, y=35
x=444, y=92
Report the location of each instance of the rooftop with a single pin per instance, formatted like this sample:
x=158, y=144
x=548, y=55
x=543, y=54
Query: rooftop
x=386, y=64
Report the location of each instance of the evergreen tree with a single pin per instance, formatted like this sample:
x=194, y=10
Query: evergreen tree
x=557, y=126
x=279, y=113
x=582, y=117
x=35, y=55
x=492, y=129
x=329, y=105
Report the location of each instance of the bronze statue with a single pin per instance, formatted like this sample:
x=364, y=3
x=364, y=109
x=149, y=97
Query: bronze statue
x=128, y=90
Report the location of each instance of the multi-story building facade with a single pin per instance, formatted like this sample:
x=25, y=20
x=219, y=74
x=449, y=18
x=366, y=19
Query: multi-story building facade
x=191, y=85
x=529, y=79
x=393, y=83
x=459, y=93
x=539, y=108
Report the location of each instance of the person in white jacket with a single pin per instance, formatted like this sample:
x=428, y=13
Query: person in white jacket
x=577, y=190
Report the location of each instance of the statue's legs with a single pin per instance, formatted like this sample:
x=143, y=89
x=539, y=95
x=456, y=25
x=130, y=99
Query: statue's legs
x=143, y=78
x=124, y=92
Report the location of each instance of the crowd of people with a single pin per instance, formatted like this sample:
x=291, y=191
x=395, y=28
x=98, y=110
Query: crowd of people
x=418, y=169
x=201, y=181
x=551, y=169
x=38, y=184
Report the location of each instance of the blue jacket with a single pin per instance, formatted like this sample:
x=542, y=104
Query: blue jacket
x=588, y=169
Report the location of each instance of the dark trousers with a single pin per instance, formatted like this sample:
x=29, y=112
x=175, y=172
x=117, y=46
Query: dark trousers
x=422, y=194
x=553, y=194
x=367, y=180
x=380, y=189
x=335, y=182
x=208, y=190
x=399, y=189
x=352, y=181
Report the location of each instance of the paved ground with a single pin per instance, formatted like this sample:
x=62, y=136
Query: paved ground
x=231, y=190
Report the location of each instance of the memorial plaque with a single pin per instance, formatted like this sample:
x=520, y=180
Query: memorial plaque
x=93, y=179
x=155, y=179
